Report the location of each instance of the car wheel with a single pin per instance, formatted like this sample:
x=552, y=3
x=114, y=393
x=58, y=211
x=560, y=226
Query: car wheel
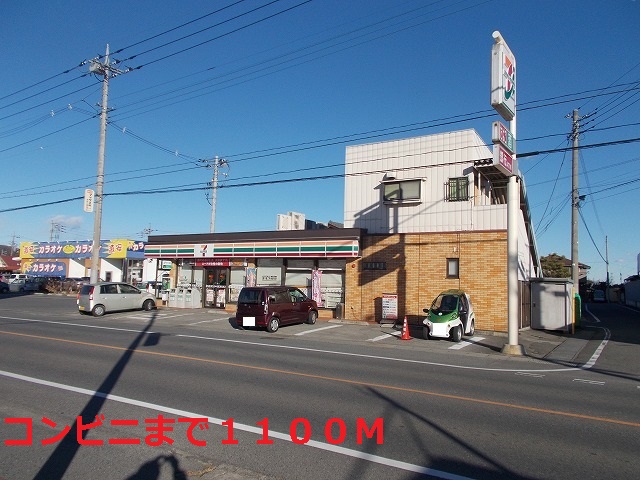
x=313, y=316
x=425, y=333
x=98, y=310
x=456, y=333
x=273, y=325
x=148, y=305
x=472, y=328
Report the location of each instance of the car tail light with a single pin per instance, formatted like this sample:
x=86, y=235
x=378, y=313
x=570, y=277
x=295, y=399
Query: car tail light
x=91, y=293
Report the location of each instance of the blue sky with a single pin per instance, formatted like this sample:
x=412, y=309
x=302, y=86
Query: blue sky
x=279, y=89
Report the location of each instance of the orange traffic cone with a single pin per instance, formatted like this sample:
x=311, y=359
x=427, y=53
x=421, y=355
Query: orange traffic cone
x=405, y=330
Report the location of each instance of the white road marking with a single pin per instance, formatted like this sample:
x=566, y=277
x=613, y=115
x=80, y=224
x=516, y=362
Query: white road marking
x=537, y=375
x=591, y=382
x=386, y=335
x=330, y=352
x=376, y=357
x=466, y=343
x=142, y=316
x=318, y=329
x=607, y=335
x=242, y=427
x=76, y=324
x=207, y=321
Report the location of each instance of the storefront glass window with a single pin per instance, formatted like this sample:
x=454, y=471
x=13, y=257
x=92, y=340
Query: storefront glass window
x=236, y=282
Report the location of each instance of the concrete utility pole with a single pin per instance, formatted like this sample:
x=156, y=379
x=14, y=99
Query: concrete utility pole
x=147, y=231
x=106, y=70
x=217, y=163
x=606, y=254
x=56, y=228
x=14, y=246
x=575, y=200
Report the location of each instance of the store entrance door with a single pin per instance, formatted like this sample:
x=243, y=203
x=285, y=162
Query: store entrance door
x=215, y=287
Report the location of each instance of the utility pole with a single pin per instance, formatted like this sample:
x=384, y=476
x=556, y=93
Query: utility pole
x=106, y=70
x=575, y=200
x=13, y=244
x=606, y=253
x=217, y=163
x=147, y=231
x=56, y=228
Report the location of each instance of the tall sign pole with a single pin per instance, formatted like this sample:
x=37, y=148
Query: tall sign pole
x=503, y=100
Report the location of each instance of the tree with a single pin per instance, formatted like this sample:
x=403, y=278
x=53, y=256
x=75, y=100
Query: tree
x=555, y=266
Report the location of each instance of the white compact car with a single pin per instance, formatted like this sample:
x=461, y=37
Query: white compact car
x=99, y=298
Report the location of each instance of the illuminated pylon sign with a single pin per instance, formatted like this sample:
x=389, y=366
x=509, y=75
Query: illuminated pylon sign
x=503, y=79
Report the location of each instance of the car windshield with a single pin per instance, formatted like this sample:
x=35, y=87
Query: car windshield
x=445, y=303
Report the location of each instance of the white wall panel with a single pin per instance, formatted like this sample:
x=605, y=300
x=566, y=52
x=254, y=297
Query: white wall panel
x=435, y=158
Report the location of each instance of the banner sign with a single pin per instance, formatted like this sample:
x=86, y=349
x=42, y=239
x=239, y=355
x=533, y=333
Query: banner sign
x=119, y=248
x=40, y=268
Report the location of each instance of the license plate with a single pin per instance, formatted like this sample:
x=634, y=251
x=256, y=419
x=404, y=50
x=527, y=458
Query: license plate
x=80, y=308
x=248, y=321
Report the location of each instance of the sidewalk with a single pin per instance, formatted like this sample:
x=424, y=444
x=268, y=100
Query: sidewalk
x=556, y=346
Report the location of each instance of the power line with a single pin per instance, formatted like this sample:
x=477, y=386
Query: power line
x=214, y=38
x=43, y=81
x=291, y=180
x=586, y=226
x=177, y=27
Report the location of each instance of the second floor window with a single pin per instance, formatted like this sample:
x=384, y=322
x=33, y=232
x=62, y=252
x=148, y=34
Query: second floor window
x=458, y=189
x=399, y=191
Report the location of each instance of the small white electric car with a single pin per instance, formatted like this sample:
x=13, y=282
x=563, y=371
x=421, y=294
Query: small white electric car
x=450, y=316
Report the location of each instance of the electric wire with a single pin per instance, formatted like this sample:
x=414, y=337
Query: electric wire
x=238, y=79
x=555, y=184
x=586, y=226
x=158, y=35
x=270, y=182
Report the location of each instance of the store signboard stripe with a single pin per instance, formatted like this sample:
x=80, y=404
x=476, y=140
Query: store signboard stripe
x=336, y=248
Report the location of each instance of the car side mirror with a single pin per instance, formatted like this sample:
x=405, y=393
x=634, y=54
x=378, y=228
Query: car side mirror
x=425, y=310
x=272, y=299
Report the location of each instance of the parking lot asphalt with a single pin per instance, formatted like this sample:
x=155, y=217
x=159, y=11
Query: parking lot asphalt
x=556, y=346
x=560, y=347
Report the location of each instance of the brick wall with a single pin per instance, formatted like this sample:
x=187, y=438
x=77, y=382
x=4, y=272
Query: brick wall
x=416, y=270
